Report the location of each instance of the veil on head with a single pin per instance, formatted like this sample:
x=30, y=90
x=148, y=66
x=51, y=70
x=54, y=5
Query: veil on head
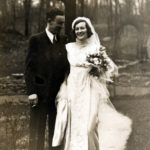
x=94, y=37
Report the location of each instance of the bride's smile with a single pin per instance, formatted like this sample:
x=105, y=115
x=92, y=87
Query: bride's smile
x=81, y=31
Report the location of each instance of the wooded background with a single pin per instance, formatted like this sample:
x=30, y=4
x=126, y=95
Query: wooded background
x=123, y=27
x=113, y=19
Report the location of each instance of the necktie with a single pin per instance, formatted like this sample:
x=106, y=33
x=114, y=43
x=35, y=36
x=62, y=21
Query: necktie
x=55, y=39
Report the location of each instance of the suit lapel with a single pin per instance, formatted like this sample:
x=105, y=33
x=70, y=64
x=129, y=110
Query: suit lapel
x=46, y=38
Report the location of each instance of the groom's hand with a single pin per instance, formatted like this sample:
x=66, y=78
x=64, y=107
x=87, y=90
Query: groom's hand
x=33, y=99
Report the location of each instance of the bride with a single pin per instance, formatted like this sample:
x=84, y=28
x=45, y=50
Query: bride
x=86, y=118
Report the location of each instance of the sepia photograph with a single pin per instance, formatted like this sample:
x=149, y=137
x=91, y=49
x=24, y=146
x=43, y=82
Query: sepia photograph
x=74, y=74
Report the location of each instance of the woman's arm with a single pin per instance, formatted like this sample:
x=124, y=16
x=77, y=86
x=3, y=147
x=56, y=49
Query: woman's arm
x=112, y=69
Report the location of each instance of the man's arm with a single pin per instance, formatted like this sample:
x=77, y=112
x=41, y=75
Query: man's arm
x=30, y=67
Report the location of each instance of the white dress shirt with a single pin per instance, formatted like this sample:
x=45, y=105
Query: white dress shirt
x=49, y=34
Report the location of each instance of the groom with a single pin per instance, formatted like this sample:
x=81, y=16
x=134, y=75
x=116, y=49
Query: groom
x=46, y=65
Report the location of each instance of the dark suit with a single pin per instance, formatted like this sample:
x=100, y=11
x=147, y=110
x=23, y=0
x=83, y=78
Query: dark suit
x=46, y=66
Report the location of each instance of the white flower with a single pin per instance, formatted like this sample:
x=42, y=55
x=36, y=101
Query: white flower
x=96, y=61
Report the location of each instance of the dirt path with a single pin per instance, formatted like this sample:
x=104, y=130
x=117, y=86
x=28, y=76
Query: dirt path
x=138, y=110
x=16, y=116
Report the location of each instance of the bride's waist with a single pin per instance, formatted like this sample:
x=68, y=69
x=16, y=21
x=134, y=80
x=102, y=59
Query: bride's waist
x=77, y=72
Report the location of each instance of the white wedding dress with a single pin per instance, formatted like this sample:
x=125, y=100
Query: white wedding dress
x=86, y=119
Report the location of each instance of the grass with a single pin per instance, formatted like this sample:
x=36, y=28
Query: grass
x=14, y=120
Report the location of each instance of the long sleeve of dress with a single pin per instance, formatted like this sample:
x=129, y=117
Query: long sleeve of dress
x=112, y=69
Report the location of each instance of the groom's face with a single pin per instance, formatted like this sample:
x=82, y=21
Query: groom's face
x=57, y=24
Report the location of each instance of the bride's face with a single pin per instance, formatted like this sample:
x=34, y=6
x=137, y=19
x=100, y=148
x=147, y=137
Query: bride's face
x=81, y=31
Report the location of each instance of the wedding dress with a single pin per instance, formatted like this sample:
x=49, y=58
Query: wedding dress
x=86, y=119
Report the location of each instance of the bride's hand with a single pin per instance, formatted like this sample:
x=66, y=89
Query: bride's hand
x=88, y=64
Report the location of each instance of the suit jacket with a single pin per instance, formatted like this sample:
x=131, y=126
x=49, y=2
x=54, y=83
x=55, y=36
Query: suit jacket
x=46, y=66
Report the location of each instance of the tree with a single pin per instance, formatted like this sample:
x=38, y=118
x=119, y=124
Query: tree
x=110, y=18
x=13, y=5
x=82, y=7
x=4, y=13
x=70, y=14
x=47, y=5
x=40, y=15
x=116, y=26
x=27, y=6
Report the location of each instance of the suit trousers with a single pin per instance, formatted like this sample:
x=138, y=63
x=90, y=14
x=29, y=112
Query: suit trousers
x=40, y=115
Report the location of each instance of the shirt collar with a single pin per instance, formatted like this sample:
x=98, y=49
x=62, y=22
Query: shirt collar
x=49, y=34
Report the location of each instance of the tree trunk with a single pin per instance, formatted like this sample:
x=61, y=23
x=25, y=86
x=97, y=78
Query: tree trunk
x=4, y=15
x=70, y=14
x=82, y=7
x=27, y=5
x=40, y=15
x=116, y=34
x=110, y=19
x=13, y=14
x=47, y=5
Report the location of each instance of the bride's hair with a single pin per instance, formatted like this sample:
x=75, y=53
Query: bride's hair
x=89, y=31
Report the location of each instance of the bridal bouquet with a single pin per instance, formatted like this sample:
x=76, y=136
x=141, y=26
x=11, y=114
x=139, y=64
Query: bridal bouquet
x=100, y=62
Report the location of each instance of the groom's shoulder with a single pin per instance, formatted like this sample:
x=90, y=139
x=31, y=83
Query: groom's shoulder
x=63, y=38
x=37, y=35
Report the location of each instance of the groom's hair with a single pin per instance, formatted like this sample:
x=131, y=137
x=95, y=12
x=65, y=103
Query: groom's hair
x=89, y=32
x=53, y=13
